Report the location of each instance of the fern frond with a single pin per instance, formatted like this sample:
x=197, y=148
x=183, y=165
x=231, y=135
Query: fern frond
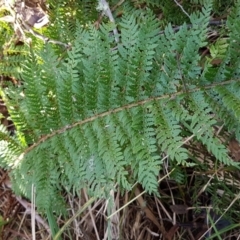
x=9, y=148
x=106, y=114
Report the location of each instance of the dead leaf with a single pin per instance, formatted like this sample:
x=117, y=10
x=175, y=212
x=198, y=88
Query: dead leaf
x=171, y=232
x=179, y=208
x=234, y=149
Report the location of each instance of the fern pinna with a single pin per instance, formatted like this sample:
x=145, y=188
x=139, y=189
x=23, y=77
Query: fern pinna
x=110, y=113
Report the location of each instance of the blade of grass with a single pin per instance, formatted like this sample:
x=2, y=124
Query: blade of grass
x=226, y=229
x=213, y=226
x=52, y=222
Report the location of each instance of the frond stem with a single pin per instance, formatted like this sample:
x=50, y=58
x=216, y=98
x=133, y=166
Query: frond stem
x=129, y=106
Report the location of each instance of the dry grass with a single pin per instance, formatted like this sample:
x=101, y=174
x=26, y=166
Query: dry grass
x=182, y=210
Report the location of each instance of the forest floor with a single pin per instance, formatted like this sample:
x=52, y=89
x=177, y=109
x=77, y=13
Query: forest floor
x=181, y=211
